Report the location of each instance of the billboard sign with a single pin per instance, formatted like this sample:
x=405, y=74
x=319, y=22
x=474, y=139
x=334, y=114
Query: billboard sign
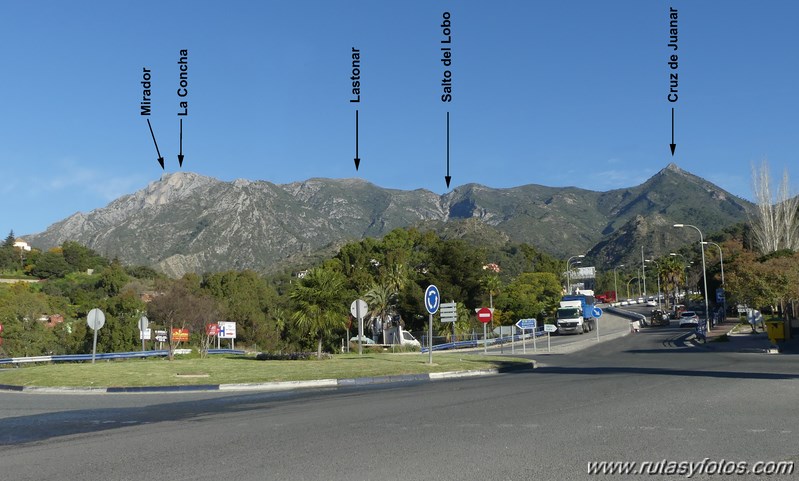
x=226, y=330
x=180, y=335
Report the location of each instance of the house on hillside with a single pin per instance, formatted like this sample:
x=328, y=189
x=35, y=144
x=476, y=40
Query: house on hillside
x=21, y=244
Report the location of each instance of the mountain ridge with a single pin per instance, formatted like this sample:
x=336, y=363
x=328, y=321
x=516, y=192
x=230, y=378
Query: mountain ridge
x=187, y=222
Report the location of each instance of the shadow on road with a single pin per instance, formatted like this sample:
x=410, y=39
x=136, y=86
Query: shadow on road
x=663, y=371
x=41, y=427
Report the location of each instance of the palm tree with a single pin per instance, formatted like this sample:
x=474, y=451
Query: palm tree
x=381, y=300
x=492, y=284
x=320, y=303
x=671, y=274
x=396, y=278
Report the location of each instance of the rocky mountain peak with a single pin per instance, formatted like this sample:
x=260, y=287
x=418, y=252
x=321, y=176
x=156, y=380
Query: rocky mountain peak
x=186, y=222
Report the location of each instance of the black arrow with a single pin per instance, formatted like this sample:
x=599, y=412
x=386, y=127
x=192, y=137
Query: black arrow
x=672, y=145
x=160, y=159
x=357, y=160
x=180, y=155
x=447, y=177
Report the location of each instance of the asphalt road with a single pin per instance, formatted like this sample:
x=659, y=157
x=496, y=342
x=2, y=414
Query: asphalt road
x=643, y=397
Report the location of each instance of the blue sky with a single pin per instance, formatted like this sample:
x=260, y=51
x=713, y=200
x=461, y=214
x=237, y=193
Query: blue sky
x=545, y=92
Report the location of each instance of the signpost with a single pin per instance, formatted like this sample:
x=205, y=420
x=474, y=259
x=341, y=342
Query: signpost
x=484, y=315
x=432, y=299
x=95, y=320
x=143, y=323
x=597, y=313
x=525, y=324
x=358, y=309
x=449, y=312
x=549, y=328
x=227, y=330
x=160, y=336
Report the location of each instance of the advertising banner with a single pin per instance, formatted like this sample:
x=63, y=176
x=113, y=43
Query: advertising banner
x=180, y=335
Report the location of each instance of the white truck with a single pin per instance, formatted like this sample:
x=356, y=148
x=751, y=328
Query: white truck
x=396, y=335
x=574, y=314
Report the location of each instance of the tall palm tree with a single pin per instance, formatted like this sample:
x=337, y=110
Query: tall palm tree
x=381, y=300
x=492, y=285
x=396, y=278
x=320, y=304
x=671, y=275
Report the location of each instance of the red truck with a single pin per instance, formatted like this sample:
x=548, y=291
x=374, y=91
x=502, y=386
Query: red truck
x=606, y=297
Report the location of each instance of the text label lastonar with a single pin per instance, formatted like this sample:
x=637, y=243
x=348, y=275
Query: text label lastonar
x=356, y=76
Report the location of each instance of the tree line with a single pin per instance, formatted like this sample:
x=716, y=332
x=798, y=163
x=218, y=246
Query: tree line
x=287, y=312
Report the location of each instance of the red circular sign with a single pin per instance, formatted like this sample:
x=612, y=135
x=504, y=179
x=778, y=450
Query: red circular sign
x=484, y=314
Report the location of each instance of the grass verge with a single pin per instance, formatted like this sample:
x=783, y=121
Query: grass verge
x=241, y=369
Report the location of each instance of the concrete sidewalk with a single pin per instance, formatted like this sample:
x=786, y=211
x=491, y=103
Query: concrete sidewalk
x=725, y=337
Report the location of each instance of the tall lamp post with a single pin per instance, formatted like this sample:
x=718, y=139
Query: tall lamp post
x=658, y=277
x=568, y=274
x=721, y=259
x=643, y=272
x=628, y=287
x=704, y=271
x=615, y=283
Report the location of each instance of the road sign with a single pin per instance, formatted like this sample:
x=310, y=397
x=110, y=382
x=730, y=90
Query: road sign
x=160, y=336
x=359, y=305
x=449, y=312
x=527, y=324
x=720, y=295
x=95, y=319
x=226, y=330
x=431, y=299
x=597, y=312
x=550, y=328
x=484, y=315
x=145, y=335
x=143, y=323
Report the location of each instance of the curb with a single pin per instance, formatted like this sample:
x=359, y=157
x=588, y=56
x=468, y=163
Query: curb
x=272, y=386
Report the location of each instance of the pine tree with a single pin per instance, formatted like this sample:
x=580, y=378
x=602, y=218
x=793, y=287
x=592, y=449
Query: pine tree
x=10, y=239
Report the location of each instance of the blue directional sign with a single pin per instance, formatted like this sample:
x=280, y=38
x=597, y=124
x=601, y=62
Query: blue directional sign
x=431, y=299
x=597, y=312
x=527, y=324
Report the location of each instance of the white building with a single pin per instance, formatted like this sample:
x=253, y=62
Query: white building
x=21, y=244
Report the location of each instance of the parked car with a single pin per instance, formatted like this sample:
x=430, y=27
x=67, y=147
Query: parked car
x=364, y=340
x=651, y=303
x=689, y=319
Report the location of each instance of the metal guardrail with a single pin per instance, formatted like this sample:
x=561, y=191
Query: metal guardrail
x=104, y=356
x=472, y=343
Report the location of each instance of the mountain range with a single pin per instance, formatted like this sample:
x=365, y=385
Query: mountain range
x=187, y=222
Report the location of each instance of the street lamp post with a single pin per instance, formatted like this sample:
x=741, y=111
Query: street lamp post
x=658, y=278
x=721, y=259
x=643, y=272
x=615, y=283
x=628, y=287
x=704, y=271
x=568, y=274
